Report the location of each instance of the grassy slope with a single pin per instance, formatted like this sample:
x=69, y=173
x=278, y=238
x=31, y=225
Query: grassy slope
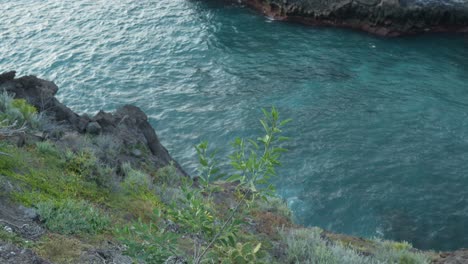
x=59, y=182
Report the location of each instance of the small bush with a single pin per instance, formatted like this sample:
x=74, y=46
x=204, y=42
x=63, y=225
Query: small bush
x=17, y=112
x=135, y=182
x=306, y=246
x=398, y=252
x=83, y=163
x=196, y=216
x=148, y=242
x=169, y=176
x=72, y=217
x=242, y=253
x=47, y=148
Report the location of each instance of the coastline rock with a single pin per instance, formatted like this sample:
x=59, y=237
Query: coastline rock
x=128, y=126
x=381, y=17
x=93, y=128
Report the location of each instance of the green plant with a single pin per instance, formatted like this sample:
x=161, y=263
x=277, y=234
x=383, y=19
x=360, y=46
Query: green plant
x=16, y=113
x=47, y=148
x=28, y=112
x=207, y=169
x=242, y=253
x=147, y=241
x=398, y=252
x=83, y=163
x=72, y=217
x=135, y=182
x=196, y=215
x=254, y=162
x=306, y=246
x=169, y=177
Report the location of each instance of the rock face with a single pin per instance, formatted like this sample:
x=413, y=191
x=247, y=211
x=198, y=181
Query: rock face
x=12, y=254
x=381, y=17
x=128, y=127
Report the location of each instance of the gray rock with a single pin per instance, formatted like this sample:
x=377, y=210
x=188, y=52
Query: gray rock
x=137, y=153
x=29, y=213
x=94, y=128
x=11, y=254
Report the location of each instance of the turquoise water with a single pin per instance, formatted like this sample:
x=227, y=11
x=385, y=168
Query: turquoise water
x=380, y=130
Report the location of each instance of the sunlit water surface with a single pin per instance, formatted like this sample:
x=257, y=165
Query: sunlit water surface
x=380, y=130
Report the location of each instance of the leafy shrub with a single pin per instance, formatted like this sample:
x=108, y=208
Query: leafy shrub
x=83, y=163
x=17, y=112
x=28, y=112
x=148, y=242
x=246, y=253
x=399, y=252
x=47, y=148
x=168, y=176
x=135, y=182
x=72, y=217
x=196, y=214
x=170, y=195
x=306, y=246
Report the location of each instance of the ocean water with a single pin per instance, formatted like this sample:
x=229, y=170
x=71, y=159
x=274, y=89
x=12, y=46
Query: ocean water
x=380, y=133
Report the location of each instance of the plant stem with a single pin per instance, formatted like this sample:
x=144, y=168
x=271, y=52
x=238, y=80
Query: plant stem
x=199, y=258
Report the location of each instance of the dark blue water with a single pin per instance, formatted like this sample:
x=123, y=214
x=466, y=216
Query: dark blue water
x=380, y=131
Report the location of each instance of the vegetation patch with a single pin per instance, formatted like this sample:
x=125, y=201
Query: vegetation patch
x=60, y=249
x=70, y=217
x=308, y=246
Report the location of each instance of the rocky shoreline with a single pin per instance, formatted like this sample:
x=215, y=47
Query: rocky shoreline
x=390, y=18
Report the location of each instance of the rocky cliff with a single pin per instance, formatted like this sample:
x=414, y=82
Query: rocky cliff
x=128, y=126
x=381, y=17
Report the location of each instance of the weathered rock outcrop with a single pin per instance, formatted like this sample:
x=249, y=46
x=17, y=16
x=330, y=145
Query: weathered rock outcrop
x=381, y=17
x=128, y=127
x=12, y=254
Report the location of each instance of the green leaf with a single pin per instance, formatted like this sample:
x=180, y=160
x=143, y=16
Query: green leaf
x=247, y=248
x=253, y=143
x=257, y=248
x=203, y=162
x=235, y=177
x=232, y=241
x=284, y=122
